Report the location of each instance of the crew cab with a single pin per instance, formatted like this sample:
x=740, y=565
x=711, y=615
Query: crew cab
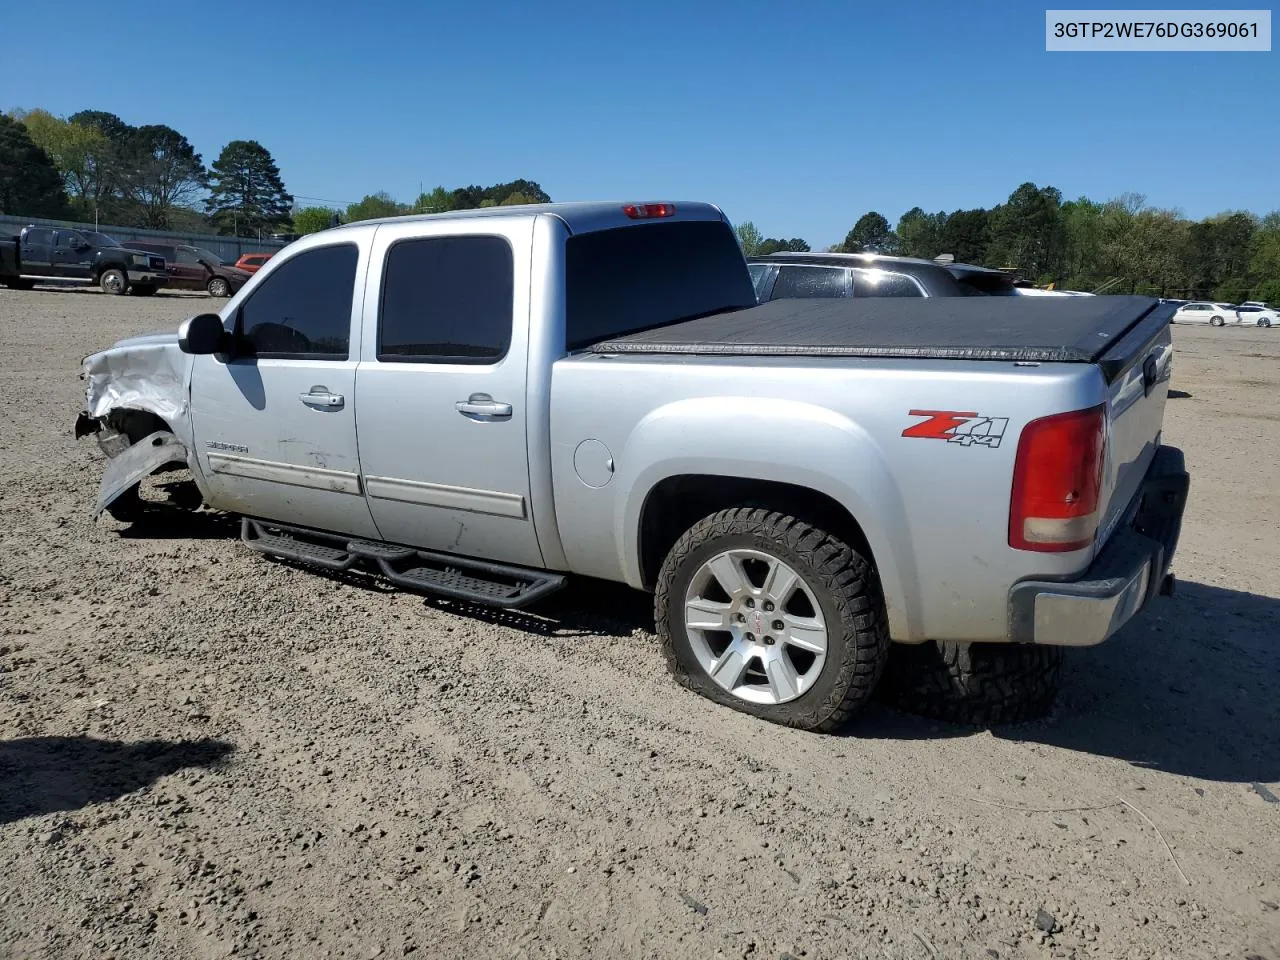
x=83, y=256
x=590, y=388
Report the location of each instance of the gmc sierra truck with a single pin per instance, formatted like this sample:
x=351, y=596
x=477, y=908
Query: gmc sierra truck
x=476, y=405
x=79, y=256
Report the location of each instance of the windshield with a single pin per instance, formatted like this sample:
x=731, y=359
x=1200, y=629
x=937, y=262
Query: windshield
x=100, y=239
x=204, y=254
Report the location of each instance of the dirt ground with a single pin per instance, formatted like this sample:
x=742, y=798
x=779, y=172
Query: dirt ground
x=206, y=754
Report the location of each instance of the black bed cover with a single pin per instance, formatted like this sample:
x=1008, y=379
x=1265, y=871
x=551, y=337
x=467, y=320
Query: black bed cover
x=1045, y=329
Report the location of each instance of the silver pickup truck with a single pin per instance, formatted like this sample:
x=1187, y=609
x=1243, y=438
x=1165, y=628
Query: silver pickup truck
x=475, y=405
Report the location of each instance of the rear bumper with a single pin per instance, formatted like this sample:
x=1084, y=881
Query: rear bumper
x=1129, y=570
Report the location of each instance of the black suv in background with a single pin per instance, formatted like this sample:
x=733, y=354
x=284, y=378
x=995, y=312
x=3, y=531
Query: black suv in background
x=61, y=254
x=195, y=268
x=780, y=276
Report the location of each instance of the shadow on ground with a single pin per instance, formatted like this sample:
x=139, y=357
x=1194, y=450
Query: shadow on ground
x=40, y=775
x=1192, y=687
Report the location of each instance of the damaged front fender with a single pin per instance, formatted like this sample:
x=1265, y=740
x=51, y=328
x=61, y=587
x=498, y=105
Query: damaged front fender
x=141, y=373
x=136, y=463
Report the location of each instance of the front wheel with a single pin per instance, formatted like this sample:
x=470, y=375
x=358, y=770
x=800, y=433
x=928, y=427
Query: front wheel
x=114, y=282
x=1264, y=322
x=772, y=616
x=219, y=287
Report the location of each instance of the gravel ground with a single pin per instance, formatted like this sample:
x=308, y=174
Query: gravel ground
x=206, y=754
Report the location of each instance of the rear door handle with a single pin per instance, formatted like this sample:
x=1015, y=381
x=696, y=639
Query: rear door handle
x=481, y=405
x=321, y=397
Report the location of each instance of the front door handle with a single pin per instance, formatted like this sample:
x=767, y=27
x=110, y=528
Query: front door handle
x=481, y=405
x=321, y=397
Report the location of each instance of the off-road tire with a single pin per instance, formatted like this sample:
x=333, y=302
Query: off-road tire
x=114, y=278
x=844, y=582
x=973, y=683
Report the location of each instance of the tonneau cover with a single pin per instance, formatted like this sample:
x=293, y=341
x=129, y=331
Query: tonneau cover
x=1046, y=329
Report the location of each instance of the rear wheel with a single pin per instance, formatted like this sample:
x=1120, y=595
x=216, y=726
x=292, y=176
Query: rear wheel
x=218, y=287
x=1216, y=322
x=974, y=683
x=114, y=282
x=772, y=616
x=20, y=283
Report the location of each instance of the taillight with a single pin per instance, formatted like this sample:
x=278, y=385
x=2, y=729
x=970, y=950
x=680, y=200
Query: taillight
x=645, y=211
x=1057, y=482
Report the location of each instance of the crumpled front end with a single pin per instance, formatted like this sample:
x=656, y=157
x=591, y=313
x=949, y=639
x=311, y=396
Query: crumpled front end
x=146, y=373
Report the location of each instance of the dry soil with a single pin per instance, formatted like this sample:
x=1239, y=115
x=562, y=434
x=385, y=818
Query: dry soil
x=206, y=754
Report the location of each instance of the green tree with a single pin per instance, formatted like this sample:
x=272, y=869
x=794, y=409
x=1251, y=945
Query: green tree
x=1028, y=232
x=246, y=194
x=438, y=200
x=965, y=234
x=515, y=199
x=374, y=207
x=30, y=185
x=871, y=234
x=772, y=245
x=106, y=167
x=920, y=234
x=162, y=171
x=74, y=150
x=749, y=238
x=312, y=220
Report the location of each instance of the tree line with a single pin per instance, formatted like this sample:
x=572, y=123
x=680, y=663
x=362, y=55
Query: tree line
x=93, y=166
x=1121, y=245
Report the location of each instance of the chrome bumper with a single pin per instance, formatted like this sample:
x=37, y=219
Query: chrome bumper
x=1130, y=569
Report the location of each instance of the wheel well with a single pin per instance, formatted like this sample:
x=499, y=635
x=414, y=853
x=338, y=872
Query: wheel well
x=677, y=503
x=135, y=424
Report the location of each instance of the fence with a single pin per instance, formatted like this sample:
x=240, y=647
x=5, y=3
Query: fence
x=229, y=249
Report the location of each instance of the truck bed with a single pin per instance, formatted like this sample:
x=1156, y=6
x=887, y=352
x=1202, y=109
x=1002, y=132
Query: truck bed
x=1040, y=329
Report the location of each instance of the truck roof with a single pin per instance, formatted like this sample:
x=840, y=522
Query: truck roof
x=579, y=216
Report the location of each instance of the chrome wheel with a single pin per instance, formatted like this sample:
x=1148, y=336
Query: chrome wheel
x=755, y=626
x=219, y=287
x=113, y=282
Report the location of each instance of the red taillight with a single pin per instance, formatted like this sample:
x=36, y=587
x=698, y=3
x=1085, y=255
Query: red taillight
x=1057, y=482
x=645, y=211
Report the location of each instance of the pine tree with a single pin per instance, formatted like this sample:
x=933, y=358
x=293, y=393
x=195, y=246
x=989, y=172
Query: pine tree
x=246, y=192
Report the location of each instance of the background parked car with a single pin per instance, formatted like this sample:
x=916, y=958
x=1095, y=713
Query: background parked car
x=779, y=276
x=253, y=262
x=194, y=268
x=1258, y=313
x=1204, y=311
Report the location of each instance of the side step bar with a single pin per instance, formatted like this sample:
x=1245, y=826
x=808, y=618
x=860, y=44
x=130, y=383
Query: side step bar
x=422, y=571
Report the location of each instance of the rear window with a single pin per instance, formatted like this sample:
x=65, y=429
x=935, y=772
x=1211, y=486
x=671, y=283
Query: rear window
x=802, y=282
x=879, y=283
x=628, y=279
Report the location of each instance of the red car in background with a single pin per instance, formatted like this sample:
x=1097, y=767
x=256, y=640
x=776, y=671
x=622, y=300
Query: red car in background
x=253, y=261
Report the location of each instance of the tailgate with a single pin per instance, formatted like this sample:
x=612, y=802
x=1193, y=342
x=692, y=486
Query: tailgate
x=1138, y=368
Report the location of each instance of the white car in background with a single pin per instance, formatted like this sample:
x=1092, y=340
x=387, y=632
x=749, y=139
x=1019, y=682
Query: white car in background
x=1205, y=311
x=1258, y=314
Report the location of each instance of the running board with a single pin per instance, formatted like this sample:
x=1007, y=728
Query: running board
x=422, y=571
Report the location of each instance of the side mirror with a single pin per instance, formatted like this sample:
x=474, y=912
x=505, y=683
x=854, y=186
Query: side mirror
x=203, y=334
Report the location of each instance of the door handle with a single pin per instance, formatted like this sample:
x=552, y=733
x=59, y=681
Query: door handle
x=321, y=397
x=483, y=405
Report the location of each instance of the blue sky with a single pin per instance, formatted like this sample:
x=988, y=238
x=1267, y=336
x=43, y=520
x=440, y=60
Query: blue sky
x=799, y=117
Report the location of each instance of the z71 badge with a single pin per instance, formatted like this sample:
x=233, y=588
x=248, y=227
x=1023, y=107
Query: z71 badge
x=955, y=426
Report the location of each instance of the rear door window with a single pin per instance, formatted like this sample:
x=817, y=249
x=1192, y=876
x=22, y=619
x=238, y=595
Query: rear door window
x=881, y=283
x=801, y=281
x=650, y=275
x=447, y=300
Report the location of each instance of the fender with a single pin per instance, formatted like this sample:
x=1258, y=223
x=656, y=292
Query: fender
x=779, y=440
x=137, y=462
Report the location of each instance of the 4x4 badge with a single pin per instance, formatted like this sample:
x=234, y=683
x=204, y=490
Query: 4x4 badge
x=956, y=426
